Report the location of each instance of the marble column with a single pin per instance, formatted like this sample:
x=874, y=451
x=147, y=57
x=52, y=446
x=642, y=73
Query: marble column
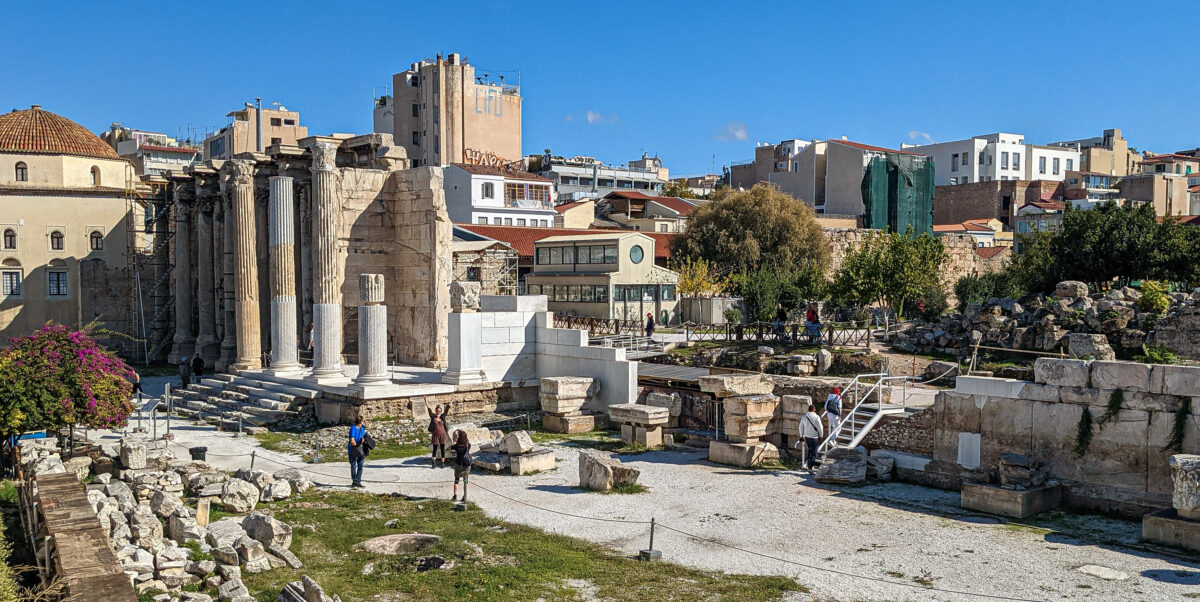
x=185, y=342
x=206, y=341
x=229, y=338
x=304, y=253
x=372, y=333
x=283, y=277
x=218, y=269
x=245, y=269
x=327, y=294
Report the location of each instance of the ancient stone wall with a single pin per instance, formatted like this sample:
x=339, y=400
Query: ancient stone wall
x=1179, y=329
x=960, y=248
x=1122, y=468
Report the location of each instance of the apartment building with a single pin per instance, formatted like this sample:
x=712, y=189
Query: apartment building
x=276, y=126
x=446, y=111
x=1107, y=154
x=581, y=177
x=1000, y=156
x=498, y=196
x=151, y=153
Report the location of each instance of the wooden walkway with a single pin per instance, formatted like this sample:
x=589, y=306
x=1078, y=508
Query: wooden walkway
x=76, y=549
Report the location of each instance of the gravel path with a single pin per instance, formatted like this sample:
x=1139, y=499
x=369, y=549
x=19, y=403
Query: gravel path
x=893, y=533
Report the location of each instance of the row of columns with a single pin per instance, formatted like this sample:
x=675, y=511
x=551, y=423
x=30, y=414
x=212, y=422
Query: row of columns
x=227, y=243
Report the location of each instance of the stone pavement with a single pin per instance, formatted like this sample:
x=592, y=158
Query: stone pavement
x=888, y=531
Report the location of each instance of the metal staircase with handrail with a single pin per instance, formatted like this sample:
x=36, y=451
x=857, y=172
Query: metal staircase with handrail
x=866, y=413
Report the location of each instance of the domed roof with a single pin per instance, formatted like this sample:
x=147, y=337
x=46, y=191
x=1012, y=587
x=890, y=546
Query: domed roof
x=41, y=132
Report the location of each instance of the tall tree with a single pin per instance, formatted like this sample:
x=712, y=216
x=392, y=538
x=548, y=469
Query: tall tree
x=750, y=229
x=678, y=189
x=891, y=269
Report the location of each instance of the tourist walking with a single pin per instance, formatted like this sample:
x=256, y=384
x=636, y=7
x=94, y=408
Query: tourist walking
x=649, y=324
x=437, y=436
x=833, y=409
x=812, y=432
x=812, y=323
x=357, y=451
x=185, y=373
x=198, y=365
x=462, y=462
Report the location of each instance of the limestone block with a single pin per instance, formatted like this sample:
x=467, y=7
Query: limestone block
x=534, y=461
x=728, y=385
x=568, y=424
x=225, y=532
x=746, y=427
x=1185, y=469
x=275, y=491
x=795, y=404
x=133, y=453
x=1176, y=380
x=644, y=415
x=1037, y=392
x=163, y=503
x=1062, y=372
x=1165, y=527
x=842, y=465
x=824, y=361
x=556, y=404
x=1010, y=502
x=1127, y=376
x=673, y=402
x=80, y=465
x=741, y=454
x=600, y=472
x=493, y=462
x=1093, y=346
x=267, y=530
x=464, y=296
x=649, y=437
x=516, y=443
x=253, y=555
x=239, y=496
x=1071, y=289
x=566, y=386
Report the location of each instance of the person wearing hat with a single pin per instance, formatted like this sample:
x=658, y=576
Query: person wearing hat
x=649, y=324
x=833, y=409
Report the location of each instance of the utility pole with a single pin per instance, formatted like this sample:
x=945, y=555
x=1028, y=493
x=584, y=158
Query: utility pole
x=258, y=113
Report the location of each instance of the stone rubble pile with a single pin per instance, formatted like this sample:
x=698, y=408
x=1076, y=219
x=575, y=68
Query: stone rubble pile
x=1087, y=325
x=155, y=509
x=513, y=452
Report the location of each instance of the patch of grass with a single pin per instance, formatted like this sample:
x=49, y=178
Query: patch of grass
x=216, y=513
x=277, y=442
x=395, y=449
x=493, y=560
x=626, y=488
x=1019, y=528
x=8, y=492
x=194, y=546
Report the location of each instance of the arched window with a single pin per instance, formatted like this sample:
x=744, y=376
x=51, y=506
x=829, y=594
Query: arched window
x=95, y=176
x=22, y=172
x=11, y=275
x=10, y=239
x=96, y=240
x=56, y=241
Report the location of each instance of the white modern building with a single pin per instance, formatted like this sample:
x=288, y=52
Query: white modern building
x=496, y=196
x=586, y=177
x=999, y=156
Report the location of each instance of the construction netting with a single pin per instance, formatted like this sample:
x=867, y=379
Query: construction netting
x=897, y=192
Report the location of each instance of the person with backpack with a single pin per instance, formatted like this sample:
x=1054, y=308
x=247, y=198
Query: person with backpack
x=812, y=431
x=357, y=451
x=462, y=462
x=649, y=325
x=833, y=409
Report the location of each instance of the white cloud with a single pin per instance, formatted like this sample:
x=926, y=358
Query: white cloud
x=569, y=118
x=734, y=130
x=920, y=136
x=594, y=117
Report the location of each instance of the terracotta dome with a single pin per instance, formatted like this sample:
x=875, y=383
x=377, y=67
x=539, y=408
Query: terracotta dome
x=36, y=131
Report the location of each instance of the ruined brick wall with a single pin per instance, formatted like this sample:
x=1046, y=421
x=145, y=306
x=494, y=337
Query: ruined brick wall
x=984, y=200
x=912, y=434
x=960, y=249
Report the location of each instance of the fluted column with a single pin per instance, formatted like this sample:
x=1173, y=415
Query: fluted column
x=229, y=337
x=218, y=270
x=372, y=332
x=245, y=268
x=206, y=341
x=185, y=342
x=327, y=294
x=283, y=277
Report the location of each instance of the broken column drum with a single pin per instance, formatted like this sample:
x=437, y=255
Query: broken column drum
x=372, y=331
x=245, y=274
x=327, y=302
x=283, y=277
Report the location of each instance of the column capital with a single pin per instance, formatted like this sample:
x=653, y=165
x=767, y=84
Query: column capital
x=324, y=156
x=241, y=172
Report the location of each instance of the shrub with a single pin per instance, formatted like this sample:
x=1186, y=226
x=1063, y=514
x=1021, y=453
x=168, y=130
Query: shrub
x=732, y=315
x=971, y=290
x=1154, y=298
x=1157, y=353
x=931, y=304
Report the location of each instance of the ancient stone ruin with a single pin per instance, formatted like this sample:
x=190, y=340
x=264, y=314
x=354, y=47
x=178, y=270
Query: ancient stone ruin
x=562, y=399
x=749, y=405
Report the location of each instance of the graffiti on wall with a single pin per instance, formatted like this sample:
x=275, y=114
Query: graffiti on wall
x=489, y=101
x=479, y=157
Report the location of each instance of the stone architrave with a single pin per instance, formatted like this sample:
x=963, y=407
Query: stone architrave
x=327, y=295
x=245, y=274
x=206, y=339
x=372, y=333
x=184, y=343
x=1185, y=469
x=284, y=359
x=562, y=399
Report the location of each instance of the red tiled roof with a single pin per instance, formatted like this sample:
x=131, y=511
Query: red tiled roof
x=1168, y=157
x=629, y=194
x=170, y=149
x=878, y=149
x=37, y=131
x=1048, y=205
x=989, y=252
x=488, y=170
x=563, y=207
x=967, y=226
x=521, y=238
x=1190, y=220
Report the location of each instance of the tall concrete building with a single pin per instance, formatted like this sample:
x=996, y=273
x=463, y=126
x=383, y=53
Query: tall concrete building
x=1108, y=154
x=445, y=113
x=247, y=134
x=1000, y=156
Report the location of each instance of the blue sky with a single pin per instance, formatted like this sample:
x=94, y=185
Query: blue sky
x=695, y=82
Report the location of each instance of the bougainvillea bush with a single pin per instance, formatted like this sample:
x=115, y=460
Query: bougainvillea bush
x=59, y=377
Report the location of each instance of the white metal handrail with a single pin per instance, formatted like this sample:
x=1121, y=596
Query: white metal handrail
x=861, y=407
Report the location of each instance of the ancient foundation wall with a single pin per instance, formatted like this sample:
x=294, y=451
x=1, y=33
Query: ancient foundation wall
x=1123, y=468
x=962, y=261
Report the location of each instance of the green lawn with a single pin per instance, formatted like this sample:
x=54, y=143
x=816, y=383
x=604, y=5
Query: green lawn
x=291, y=443
x=492, y=560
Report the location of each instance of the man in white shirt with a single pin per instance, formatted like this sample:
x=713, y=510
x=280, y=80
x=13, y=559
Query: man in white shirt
x=812, y=431
x=833, y=409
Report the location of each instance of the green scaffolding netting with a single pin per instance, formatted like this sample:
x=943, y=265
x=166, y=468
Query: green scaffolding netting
x=897, y=191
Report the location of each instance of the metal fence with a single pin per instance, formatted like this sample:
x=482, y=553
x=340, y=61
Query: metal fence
x=599, y=326
x=840, y=334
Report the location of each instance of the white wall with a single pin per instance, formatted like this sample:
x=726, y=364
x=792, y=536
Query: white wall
x=1035, y=153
